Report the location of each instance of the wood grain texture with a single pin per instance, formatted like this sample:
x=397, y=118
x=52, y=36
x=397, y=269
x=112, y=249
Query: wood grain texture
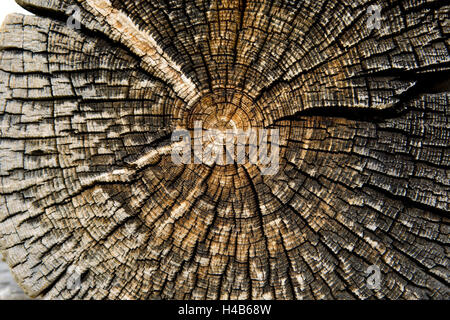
x=88, y=187
x=9, y=290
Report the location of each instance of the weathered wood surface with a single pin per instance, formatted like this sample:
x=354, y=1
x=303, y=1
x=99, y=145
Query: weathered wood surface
x=9, y=290
x=88, y=188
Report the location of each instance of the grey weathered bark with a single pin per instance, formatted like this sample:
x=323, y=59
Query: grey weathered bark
x=88, y=187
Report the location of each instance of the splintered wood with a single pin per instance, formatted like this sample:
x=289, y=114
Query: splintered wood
x=92, y=205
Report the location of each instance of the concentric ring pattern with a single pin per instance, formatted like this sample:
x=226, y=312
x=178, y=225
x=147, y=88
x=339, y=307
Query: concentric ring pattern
x=88, y=187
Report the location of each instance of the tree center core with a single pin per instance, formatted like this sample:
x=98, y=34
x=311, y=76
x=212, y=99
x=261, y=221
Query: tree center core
x=224, y=111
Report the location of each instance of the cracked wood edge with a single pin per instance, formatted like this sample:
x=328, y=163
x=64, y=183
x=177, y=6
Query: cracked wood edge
x=87, y=183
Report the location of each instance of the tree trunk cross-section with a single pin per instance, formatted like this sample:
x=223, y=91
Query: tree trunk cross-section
x=93, y=207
